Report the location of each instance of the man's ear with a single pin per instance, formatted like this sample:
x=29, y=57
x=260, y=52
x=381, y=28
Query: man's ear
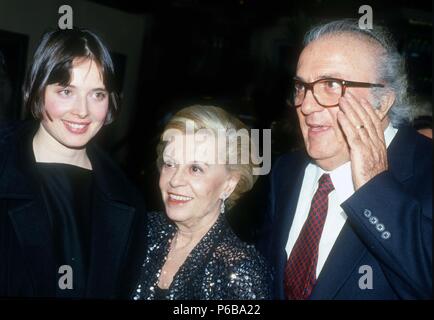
x=386, y=103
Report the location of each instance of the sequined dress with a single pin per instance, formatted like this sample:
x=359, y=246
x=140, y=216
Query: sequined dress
x=220, y=267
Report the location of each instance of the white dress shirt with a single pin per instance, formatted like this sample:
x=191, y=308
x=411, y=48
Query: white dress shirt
x=336, y=217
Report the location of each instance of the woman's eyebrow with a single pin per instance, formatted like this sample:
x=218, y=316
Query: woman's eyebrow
x=167, y=157
x=200, y=162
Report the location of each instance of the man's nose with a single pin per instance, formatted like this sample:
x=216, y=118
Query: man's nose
x=310, y=104
x=81, y=107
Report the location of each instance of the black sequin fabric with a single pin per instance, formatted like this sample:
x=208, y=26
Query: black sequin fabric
x=220, y=267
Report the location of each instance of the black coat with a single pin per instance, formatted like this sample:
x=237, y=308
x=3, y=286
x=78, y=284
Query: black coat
x=27, y=266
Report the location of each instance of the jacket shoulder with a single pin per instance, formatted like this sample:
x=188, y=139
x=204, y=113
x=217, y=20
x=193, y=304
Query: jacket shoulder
x=232, y=252
x=288, y=160
x=241, y=270
x=7, y=128
x=9, y=132
x=159, y=226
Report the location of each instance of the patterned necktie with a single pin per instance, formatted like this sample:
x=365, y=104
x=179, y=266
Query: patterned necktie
x=300, y=270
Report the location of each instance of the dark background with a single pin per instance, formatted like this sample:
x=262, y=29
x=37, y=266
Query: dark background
x=238, y=55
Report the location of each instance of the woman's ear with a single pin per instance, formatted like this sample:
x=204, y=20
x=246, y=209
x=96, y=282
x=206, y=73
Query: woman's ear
x=231, y=184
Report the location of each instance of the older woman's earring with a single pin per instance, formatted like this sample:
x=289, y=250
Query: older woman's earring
x=222, y=205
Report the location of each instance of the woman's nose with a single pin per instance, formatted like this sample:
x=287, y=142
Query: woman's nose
x=178, y=178
x=81, y=107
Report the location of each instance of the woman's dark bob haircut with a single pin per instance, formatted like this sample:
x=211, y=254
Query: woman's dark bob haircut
x=53, y=62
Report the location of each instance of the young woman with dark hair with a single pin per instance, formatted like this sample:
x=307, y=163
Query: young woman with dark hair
x=71, y=225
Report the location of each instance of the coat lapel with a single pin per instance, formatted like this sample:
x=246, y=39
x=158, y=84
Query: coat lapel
x=28, y=218
x=33, y=231
x=112, y=227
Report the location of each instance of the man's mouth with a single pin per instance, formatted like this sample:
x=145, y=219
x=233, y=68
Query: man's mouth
x=177, y=199
x=76, y=127
x=314, y=129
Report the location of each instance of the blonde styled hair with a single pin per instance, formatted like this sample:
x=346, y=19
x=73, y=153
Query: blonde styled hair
x=215, y=119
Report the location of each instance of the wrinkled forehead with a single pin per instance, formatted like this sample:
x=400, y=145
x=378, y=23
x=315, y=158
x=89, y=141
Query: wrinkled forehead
x=341, y=56
x=199, y=147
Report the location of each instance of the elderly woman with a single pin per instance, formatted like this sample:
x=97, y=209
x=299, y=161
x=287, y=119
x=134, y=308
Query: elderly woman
x=71, y=225
x=193, y=253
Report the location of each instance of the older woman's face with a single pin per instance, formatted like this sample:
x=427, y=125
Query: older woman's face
x=74, y=114
x=191, y=182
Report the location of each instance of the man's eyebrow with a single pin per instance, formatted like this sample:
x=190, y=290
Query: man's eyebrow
x=330, y=75
x=322, y=76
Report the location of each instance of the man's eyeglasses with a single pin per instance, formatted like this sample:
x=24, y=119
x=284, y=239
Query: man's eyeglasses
x=326, y=91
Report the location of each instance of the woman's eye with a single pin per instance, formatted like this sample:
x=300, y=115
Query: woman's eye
x=100, y=95
x=65, y=92
x=196, y=169
x=168, y=165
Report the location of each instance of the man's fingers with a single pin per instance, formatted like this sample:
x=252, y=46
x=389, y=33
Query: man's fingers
x=362, y=113
x=358, y=122
x=353, y=137
x=374, y=118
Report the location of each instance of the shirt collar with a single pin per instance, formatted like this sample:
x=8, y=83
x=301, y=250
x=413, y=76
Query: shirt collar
x=389, y=134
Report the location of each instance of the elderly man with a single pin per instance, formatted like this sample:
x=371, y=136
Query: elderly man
x=350, y=217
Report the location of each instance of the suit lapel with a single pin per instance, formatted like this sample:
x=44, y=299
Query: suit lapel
x=341, y=262
x=289, y=187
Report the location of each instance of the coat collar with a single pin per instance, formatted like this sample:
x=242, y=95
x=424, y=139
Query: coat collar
x=401, y=153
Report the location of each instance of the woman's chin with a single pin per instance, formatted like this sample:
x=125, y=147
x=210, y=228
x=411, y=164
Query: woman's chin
x=177, y=213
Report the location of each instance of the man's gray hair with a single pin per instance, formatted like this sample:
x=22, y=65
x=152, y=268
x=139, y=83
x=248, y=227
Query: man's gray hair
x=390, y=63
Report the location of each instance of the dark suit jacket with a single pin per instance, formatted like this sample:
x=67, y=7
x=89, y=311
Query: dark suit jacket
x=400, y=199
x=27, y=267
